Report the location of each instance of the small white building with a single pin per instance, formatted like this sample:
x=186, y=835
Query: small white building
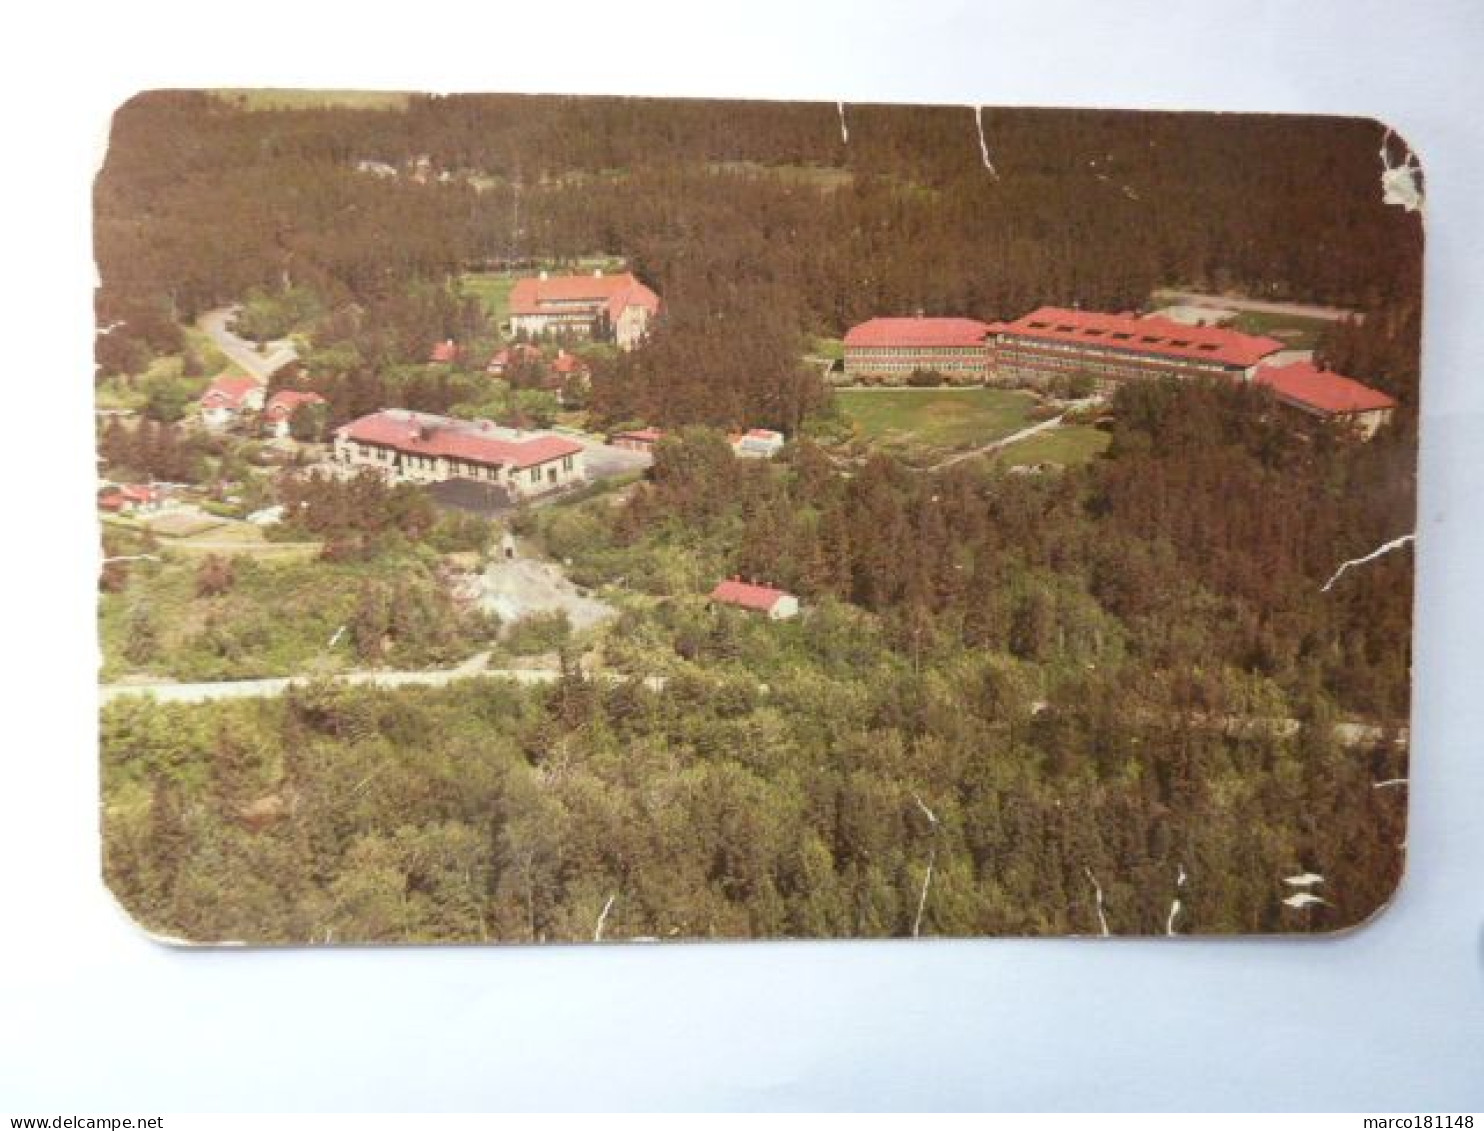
x=419, y=447
x=759, y=443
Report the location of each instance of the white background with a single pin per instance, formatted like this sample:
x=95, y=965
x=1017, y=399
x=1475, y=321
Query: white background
x=93, y=1017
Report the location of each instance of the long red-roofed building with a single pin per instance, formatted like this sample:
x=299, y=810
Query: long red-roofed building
x=890, y=350
x=579, y=304
x=1112, y=348
x=776, y=604
x=1331, y=396
x=422, y=448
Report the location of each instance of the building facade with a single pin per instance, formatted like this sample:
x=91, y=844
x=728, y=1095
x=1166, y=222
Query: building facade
x=419, y=447
x=616, y=306
x=1113, y=348
x=890, y=350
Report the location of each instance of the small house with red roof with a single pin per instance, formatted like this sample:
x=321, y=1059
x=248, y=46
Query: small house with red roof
x=508, y=357
x=445, y=352
x=278, y=413
x=419, y=447
x=1329, y=396
x=637, y=439
x=228, y=398
x=889, y=350
x=616, y=306
x=775, y=604
x=131, y=498
x=758, y=443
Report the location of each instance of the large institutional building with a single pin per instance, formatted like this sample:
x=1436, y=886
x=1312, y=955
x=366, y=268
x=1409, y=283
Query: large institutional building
x=421, y=448
x=1111, y=348
x=580, y=305
x=889, y=350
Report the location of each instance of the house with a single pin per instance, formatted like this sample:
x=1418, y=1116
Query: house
x=889, y=350
x=1329, y=396
x=444, y=353
x=637, y=439
x=758, y=443
x=569, y=365
x=774, y=603
x=617, y=307
x=511, y=356
x=419, y=447
x=131, y=498
x=1112, y=348
x=227, y=398
x=278, y=413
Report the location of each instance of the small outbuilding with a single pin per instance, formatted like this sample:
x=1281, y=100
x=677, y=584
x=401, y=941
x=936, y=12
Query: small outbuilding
x=776, y=604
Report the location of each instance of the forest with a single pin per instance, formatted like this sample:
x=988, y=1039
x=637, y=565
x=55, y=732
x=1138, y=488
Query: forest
x=724, y=209
x=1096, y=682
x=1116, y=697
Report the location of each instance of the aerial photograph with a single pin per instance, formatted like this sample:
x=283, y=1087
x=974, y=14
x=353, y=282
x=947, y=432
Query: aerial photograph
x=537, y=519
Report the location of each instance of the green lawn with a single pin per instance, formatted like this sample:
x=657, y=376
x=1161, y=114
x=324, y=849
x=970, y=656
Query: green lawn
x=492, y=288
x=1076, y=443
x=939, y=419
x=1293, y=331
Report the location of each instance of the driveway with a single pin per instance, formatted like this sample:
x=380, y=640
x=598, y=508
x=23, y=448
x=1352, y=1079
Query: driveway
x=242, y=352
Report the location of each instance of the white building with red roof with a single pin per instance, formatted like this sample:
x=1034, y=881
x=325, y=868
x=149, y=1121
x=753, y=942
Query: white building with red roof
x=758, y=443
x=1111, y=348
x=891, y=349
x=228, y=398
x=582, y=305
x=419, y=447
x=278, y=413
x=1330, y=396
x=775, y=604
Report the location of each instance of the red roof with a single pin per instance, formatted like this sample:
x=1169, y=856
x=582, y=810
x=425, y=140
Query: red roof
x=444, y=351
x=918, y=332
x=744, y=594
x=643, y=435
x=282, y=404
x=568, y=363
x=423, y=434
x=1150, y=334
x=229, y=391
x=1331, y=394
x=510, y=355
x=611, y=292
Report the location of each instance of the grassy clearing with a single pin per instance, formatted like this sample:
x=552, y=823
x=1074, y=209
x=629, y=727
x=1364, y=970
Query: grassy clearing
x=937, y=419
x=1292, y=330
x=832, y=348
x=492, y=289
x=289, y=99
x=1074, y=444
x=824, y=177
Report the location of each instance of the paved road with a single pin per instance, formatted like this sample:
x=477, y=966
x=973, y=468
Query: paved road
x=240, y=350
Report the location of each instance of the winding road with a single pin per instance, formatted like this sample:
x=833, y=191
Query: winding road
x=242, y=352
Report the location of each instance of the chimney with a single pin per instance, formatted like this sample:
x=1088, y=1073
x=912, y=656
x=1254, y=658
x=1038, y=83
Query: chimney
x=545, y=276
x=597, y=272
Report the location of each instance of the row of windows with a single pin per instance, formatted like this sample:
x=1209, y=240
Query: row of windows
x=1083, y=350
x=916, y=351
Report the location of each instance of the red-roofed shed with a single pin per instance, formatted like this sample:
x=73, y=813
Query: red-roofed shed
x=776, y=604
